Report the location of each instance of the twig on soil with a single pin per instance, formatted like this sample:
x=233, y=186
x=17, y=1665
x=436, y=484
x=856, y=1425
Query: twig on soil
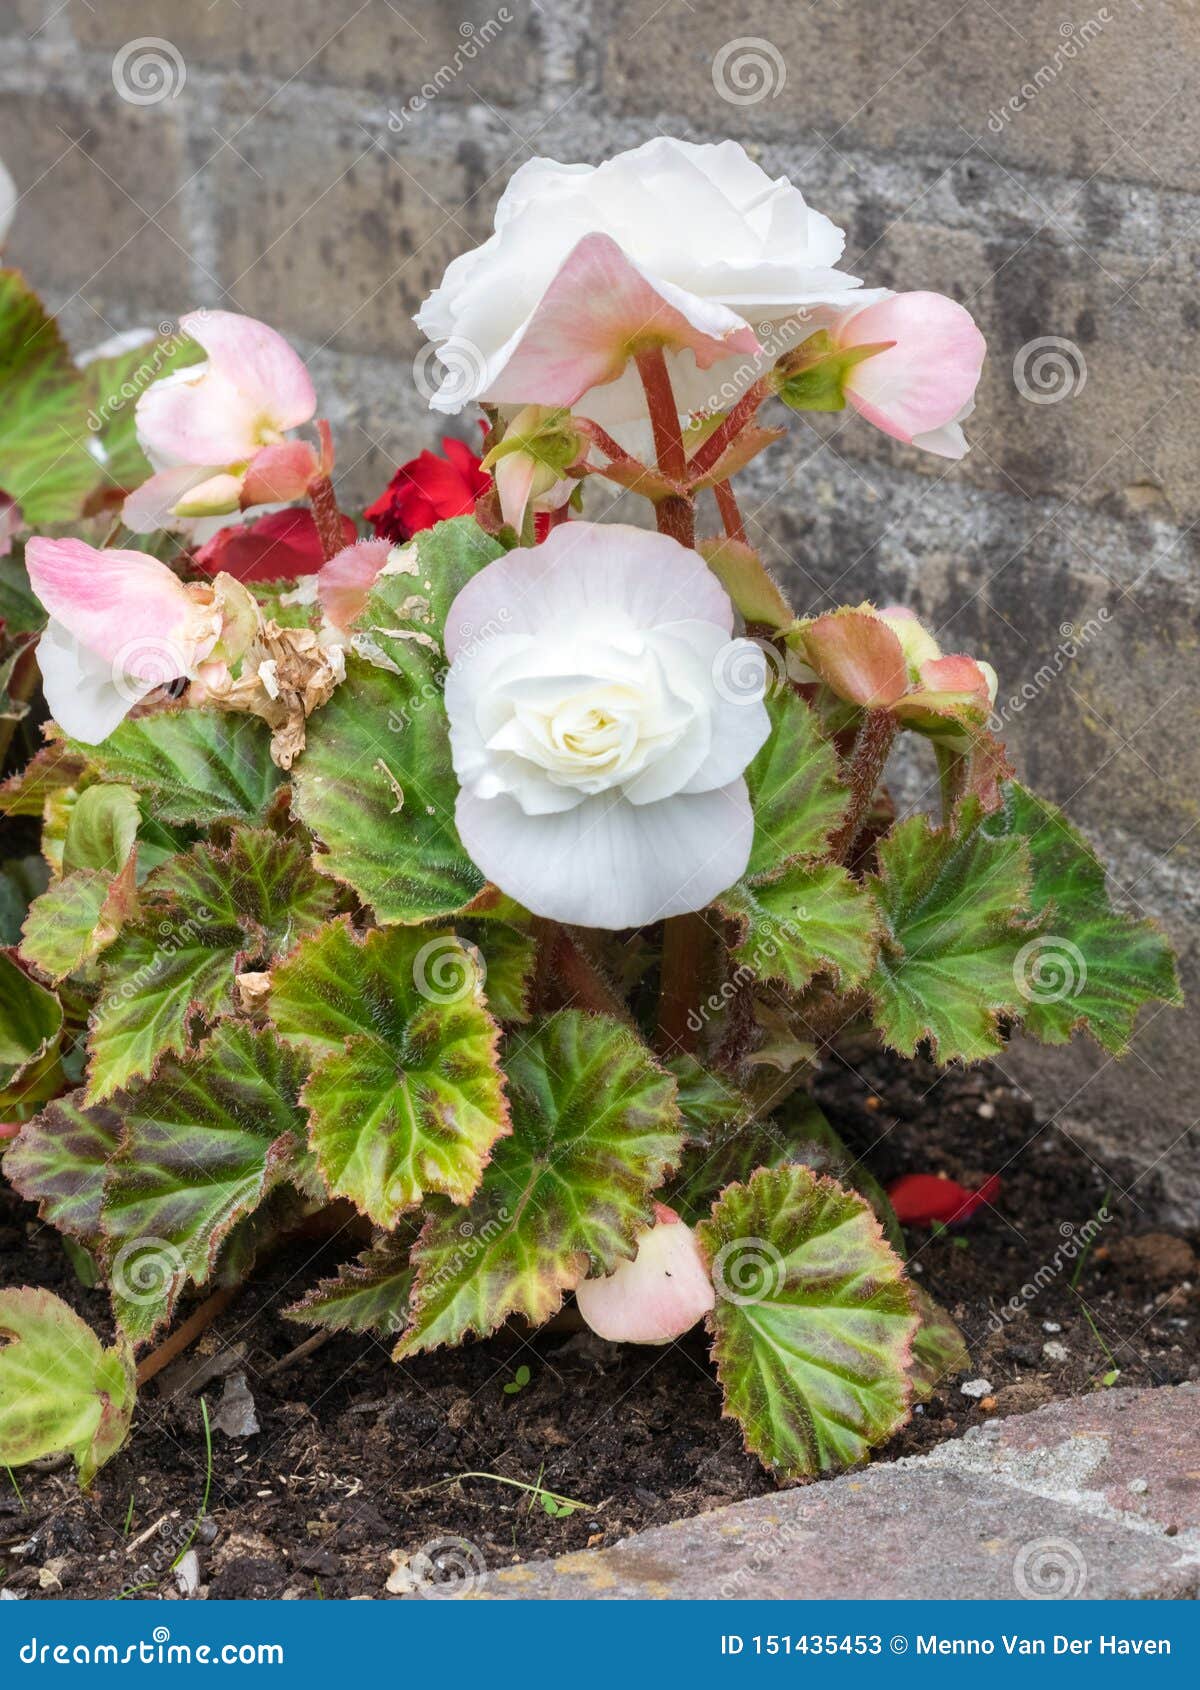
x=196, y=1323
x=307, y=1348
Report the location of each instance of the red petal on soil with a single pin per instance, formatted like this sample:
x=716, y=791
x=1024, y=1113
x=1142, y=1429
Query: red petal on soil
x=923, y=1199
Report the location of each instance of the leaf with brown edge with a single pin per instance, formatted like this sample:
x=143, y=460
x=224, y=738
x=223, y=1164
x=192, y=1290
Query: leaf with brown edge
x=813, y=1323
x=203, y=1144
x=59, y=1161
x=406, y=1096
x=207, y=914
x=54, y=768
x=813, y=919
x=595, y=1129
x=60, y=1389
x=371, y=1294
x=856, y=654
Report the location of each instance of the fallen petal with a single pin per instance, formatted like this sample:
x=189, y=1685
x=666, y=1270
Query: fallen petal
x=657, y=1296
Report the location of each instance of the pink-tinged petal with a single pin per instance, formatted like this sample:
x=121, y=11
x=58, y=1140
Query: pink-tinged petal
x=858, y=656
x=258, y=362
x=220, y=495
x=251, y=390
x=606, y=863
x=514, y=476
x=656, y=1297
x=957, y=676
x=345, y=581
x=87, y=695
x=588, y=574
x=118, y=604
x=279, y=474
x=580, y=334
x=152, y=505
x=923, y=380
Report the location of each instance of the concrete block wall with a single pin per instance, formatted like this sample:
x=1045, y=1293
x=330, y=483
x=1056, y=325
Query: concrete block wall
x=318, y=164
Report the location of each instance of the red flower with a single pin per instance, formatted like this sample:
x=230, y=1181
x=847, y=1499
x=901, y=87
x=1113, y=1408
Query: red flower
x=923, y=1199
x=274, y=548
x=427, y=490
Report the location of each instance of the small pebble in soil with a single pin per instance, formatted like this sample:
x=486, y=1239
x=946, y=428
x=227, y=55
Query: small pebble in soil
x=1051, y=1326
x=1139, y=1487
x=977, y=1388
x=986, y=1111
x=1054, y=1351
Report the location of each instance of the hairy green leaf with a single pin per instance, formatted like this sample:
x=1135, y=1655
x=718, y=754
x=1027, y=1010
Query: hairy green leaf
x=376, y=786
x=102, y=829
x=203, y=1144
x=369, y=1295
x=191, y=765
x=795, y=789
x=406, y=1095
x=60, y=1389
x=71, y=922
x=595, y=1129
x=59, y=1161
x=52, y=770
x=1089, y=965
x=813, y=1324
x=813, y=919
x=951, y=902
x=45, y=464
x=30, y=1020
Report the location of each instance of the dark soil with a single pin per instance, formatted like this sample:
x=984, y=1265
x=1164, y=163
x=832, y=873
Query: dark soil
x=360, y=1463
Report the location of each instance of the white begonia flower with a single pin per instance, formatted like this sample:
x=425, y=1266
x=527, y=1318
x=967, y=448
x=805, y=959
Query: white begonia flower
x=601, y=715
x=690, y=247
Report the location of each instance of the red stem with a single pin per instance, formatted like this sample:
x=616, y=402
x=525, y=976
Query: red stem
x=723, y=436
x=867, y=762
x=731, y=516
x=675, y=514
x=326, y=515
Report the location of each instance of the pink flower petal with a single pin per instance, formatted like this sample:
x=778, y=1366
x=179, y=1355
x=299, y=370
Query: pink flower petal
x=279, y=474
x=579, y=336
x=657, y=1296
x=120, y=605
x=344, y=582
x=151, y=506
x=252, y=389
x=928, y=375
x=859, y=656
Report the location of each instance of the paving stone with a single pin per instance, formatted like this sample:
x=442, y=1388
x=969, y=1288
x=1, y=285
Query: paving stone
x=1043, y=1504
